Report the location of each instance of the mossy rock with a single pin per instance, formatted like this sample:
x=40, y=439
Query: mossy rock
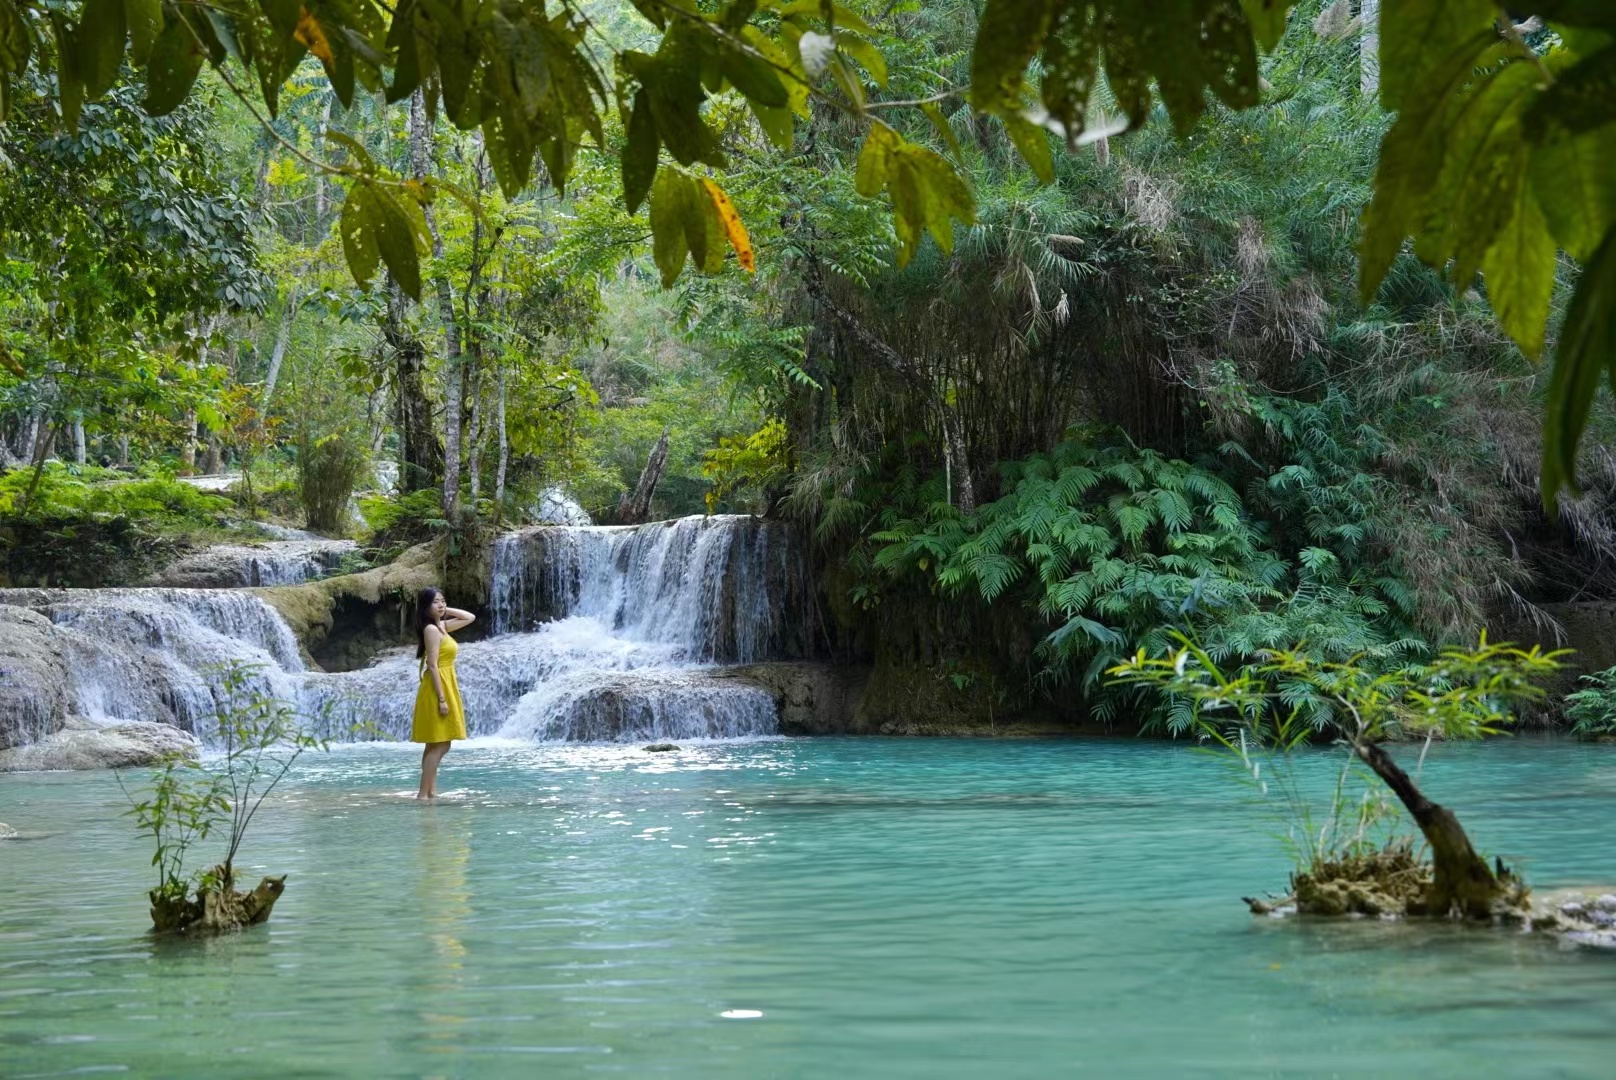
x=368, y=611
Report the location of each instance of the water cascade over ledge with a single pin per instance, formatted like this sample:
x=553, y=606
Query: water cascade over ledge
x=599, y=634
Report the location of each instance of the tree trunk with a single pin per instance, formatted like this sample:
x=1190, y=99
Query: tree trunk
x=79, y=453
x=210, y=460
x=959, y=463
x=504, y=451
x=956, y=458
x=283, y=338
x=320, y=200
x=123, y=451
x=1369, y=49
x=420, y=450
x=1463, y=882
x=636, y=509
x=420, y=163
x=29, y=438
x=42, y=451
x=216, y=910
x=188, y=447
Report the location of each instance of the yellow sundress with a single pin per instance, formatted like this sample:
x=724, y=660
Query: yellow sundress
x=430, y=726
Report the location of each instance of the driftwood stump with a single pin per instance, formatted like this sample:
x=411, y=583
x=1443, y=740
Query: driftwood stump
x=217, y=908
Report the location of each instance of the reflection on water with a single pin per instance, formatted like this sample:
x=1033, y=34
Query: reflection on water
x=854, y=909
x=443, y=907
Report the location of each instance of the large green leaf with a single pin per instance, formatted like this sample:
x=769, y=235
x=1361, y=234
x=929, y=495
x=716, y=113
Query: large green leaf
x=1032, y=141
x=874, y=160
x=1576, y=188
x=145, y=19
x=1480, y=125
x=358, y=234
x=1411, y=159
x=395, y=240
x=1519, y=269
x=176, y=57
x=640, y=154
x=1072, y=66
x=1008, y=36
x=101, y=32
x=69, y=80
x=1582, y=98
x=1591, y=13
x=668, y=243
x=1587, y=350
x=1268, y=19
x=1417, y=39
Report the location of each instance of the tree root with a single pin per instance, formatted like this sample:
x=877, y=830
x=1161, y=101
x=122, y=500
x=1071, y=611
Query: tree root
x=217, y=908
x=1392, y=882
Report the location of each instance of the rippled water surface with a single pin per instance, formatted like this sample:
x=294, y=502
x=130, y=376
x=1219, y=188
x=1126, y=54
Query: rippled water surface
x=829, y=908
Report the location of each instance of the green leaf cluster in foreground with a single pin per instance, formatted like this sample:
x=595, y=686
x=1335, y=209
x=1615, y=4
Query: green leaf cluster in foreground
x=1495, y=162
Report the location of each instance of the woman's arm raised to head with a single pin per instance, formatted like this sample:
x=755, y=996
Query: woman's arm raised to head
x=454, y=618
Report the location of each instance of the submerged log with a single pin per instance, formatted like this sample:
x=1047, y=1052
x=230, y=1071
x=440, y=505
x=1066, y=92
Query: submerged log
x=216, y=909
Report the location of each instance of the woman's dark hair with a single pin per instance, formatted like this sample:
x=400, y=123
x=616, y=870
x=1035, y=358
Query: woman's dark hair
x=423, y=617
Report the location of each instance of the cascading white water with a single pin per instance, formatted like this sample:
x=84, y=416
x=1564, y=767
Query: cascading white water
x=719, y=588
x=156, y=654
x=284, y=562
x=641, y=618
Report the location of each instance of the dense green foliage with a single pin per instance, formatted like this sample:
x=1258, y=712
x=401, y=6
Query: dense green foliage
x=1592, y=709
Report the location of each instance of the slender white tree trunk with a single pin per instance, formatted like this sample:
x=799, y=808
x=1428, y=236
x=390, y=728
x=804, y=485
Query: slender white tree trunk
x=1369, y=49
x=504, y=449
x=283, y=338
x=79, y=454
x=320, y=200
x=420, y=164
x=475, y=466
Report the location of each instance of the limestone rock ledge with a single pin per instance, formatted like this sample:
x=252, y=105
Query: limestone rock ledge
x=342, y=622
x=33, y=678
x=811, y=698
x=1578, y=916
x=233, y=566
x=82, y=744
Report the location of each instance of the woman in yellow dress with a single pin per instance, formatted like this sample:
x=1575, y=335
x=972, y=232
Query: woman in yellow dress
x=440, y=718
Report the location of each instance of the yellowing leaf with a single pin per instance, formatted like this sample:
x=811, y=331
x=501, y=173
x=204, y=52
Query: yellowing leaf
x=312, y=37
x=734, y=231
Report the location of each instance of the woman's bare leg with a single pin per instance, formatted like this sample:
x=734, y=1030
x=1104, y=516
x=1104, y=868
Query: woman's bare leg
x=430, y=756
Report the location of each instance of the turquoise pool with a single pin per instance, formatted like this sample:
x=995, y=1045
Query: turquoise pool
x=795, y=908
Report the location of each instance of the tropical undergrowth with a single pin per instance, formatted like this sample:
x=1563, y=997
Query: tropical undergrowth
x=1114, y=549
x=88, y=527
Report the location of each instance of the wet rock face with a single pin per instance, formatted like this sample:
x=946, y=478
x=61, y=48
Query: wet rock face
x=811, y=698
x=33, y=677
x=233, y=566
x=84, y=745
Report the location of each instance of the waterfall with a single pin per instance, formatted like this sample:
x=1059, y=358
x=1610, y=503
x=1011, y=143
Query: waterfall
x=284, y=562
x=718, y=588
x=599, y=634
x=155, y=654
x=638, y=618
